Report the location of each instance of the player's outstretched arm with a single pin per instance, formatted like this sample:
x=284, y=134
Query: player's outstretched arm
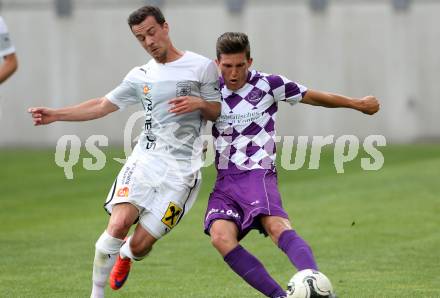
x=186, y=104
x=367, y=105
x=8, y=67
x=88, y=110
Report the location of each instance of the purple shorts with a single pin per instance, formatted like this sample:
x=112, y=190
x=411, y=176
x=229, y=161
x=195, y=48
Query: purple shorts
x=243, y=198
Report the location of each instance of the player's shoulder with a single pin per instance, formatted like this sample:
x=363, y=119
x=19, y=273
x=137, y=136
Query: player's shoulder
x=199, y=61
x=3, y=27
x=197, y=57
x=260, y=78
x=273, y=80
x=138, y=73
x=202, y=67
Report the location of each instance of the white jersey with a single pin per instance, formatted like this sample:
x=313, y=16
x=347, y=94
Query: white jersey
x=6, y=46
x=168, y=136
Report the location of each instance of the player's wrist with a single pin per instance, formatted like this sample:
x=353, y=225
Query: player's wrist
x=355, y=104
x=59, y=115
x=202, y=105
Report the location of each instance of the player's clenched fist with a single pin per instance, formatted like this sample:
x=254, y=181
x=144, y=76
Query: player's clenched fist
x=369, y=105
x=42, y=115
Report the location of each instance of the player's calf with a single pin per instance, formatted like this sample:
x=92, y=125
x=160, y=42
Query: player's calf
x=297, y=250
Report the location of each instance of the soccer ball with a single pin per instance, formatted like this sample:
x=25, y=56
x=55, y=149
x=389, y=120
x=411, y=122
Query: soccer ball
x=309, y=283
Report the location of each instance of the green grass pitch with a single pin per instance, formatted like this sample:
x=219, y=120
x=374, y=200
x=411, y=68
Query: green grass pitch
x=375, y=234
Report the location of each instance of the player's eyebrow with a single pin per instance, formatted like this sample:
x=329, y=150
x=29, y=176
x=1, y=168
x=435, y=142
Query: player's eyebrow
x=150, y=28
x=143, y=32
x=236, y=65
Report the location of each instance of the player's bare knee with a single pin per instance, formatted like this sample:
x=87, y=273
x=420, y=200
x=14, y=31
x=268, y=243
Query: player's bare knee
x=119, y=227
x=221, y=239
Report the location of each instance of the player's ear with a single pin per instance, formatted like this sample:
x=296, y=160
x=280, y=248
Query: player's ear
x=250, y=60
x=166, y=27
x=217, y=62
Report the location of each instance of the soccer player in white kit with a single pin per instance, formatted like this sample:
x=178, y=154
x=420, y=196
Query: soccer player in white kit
x=159, y=182
x=8, y=58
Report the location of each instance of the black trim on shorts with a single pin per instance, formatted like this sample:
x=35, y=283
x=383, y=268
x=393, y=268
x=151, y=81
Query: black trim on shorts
x=184, y=204
x=112, y=196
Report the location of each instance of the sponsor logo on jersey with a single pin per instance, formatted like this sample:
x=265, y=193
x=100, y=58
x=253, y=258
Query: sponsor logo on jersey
x=123, y=191
x=172, y=215
x=148, y=126
x=255, y=95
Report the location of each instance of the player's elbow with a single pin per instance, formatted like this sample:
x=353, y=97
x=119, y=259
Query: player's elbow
x=214, y=111
x=105, y=107
x=12, y=63
x=9, y=66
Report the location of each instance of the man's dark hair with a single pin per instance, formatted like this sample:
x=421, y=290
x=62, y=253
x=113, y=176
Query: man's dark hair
x=138, y=16
x=233, y=43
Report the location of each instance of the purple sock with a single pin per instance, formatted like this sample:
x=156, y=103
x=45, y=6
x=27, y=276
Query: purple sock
x=297, y=250
x=253, y=272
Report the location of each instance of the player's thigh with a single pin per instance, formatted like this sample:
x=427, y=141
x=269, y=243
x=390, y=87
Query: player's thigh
x=131, y=185
x=275, y=226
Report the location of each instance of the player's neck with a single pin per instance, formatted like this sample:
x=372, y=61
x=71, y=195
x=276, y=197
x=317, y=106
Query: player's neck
x=173, y=54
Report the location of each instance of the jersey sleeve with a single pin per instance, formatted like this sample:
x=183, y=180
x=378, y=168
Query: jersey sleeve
x=210, y=87
x=286, y=90
x=6, y=46
x=125, y=94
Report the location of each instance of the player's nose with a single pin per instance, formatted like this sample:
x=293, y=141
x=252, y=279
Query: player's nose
x=149, y=42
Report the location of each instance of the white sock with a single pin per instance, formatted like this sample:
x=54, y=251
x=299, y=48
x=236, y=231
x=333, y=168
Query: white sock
x=97, y=292
x=126, y=252
x=106, y=251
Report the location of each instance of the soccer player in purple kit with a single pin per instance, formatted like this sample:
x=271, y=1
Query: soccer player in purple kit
x=245, y=194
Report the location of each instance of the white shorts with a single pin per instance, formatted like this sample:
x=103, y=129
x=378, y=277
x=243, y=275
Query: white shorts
x=161, y=196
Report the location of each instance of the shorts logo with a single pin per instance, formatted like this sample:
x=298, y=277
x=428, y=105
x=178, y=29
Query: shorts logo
x=172, y=215
x=123, y=192
x=183, y=89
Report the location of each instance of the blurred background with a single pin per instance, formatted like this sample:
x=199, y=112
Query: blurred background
x=73, y=50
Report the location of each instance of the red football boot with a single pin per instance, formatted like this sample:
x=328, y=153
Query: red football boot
x=119, y=273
